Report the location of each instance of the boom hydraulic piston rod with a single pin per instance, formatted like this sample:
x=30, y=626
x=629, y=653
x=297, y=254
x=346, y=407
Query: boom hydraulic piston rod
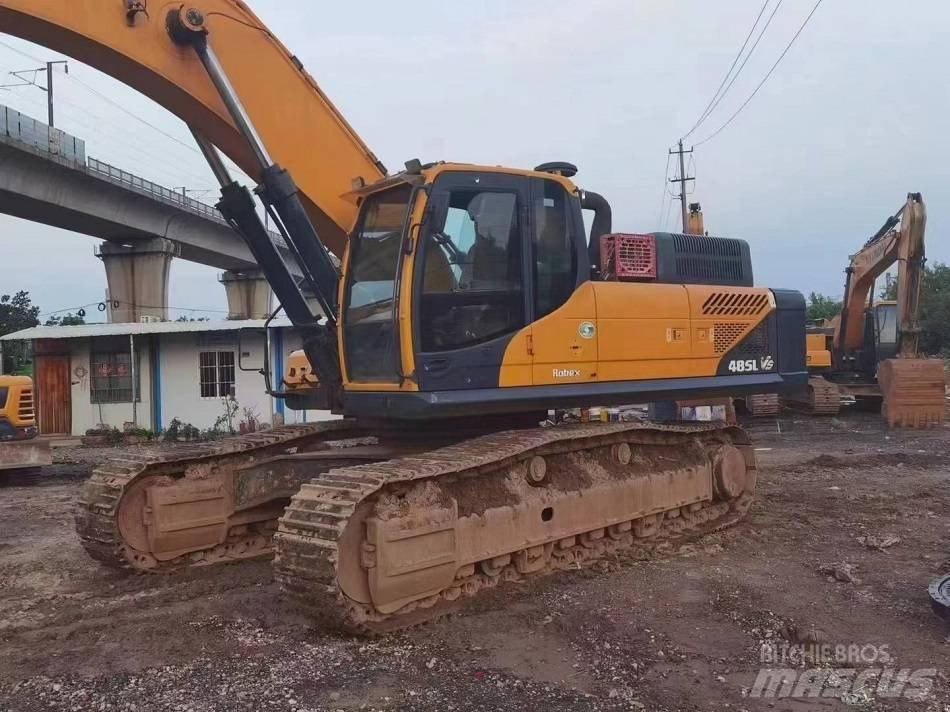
x=281, y=198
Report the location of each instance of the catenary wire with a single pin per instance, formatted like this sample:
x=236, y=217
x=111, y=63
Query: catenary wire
x=764, y=79
x=710, y=106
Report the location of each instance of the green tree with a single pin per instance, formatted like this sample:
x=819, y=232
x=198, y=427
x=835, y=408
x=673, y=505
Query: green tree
x=17, y=312
x=185, y=318
x=935, y=309
x=934, y=314
x=66, y=320
x=821, y=307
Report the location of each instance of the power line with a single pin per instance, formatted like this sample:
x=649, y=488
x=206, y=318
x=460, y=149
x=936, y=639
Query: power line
x=102, y=305
x=709, y=107
x=764, y=79
x=185, y=144
x=669, y=213
x=115, y=138
x=748, y=56
x=22, y=53
x=114, y=103
x=135, y=116
x=666, y=191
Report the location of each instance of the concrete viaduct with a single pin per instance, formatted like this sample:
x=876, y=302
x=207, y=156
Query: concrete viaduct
x=46, y=178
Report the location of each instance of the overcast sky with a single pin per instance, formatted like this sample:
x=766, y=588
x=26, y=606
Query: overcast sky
x=850, y=121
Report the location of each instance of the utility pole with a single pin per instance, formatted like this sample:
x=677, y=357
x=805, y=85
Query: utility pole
x=682, y=181
x=31, y=82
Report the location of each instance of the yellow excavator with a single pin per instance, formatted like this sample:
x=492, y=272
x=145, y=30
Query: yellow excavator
x=470, y=301
x=869, y=352
x=20, y=450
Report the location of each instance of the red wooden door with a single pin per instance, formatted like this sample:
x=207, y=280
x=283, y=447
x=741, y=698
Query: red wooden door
x=54, y=390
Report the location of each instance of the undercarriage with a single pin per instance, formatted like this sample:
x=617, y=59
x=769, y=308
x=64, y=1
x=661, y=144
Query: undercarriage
x=375, y=533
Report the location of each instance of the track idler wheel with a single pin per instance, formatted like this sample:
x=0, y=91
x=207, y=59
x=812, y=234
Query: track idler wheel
x=731, y=472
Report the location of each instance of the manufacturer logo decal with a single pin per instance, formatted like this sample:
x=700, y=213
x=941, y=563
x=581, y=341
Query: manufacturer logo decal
x=587, y=330
x=750, y=365
x=566, y=372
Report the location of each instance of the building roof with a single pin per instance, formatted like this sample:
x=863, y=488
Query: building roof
x=85, y=331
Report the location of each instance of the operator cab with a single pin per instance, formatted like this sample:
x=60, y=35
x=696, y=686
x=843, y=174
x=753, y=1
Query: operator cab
x=881, y=332
x=493, y=252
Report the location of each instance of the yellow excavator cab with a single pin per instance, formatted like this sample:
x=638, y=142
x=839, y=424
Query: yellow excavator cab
x=19, y=447
x=818, y=351
x=17, y=414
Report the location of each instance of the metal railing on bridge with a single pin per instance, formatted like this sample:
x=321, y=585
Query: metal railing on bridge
x=153, y=190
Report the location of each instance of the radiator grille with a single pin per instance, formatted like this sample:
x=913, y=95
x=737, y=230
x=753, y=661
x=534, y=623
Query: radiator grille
x=628, y=257
x=26, y=411
x=709, y=259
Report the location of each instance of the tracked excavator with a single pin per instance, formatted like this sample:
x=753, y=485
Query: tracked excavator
x=869, y=352
x=469, y=302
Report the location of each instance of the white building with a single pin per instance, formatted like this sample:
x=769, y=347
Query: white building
x=86, y=375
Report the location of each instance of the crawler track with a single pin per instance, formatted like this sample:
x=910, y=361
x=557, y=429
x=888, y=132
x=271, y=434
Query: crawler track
x=323, y=547
x=763, y=405
x=99, y=509
x=822, y=397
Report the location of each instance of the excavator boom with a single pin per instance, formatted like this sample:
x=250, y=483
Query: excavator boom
x=901, y=240
x=129, y=40
x=875, y=346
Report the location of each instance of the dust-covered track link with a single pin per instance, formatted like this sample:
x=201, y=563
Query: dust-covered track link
x=375, y=548
x=821, y=397
x=164, y=510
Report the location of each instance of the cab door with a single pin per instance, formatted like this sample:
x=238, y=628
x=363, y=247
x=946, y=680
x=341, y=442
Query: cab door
x=564, y=329
x=471, y=281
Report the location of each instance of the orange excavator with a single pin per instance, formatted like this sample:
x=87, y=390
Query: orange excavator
x=467, y=301
x=870, y=351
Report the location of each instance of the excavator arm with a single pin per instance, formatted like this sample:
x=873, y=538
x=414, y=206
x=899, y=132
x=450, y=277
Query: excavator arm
x=901, y=240
x=302, y=130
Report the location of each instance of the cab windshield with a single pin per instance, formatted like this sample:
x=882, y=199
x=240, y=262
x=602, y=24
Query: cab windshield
x=369, y=320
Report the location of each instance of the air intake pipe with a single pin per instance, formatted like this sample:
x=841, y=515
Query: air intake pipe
x=602, y=225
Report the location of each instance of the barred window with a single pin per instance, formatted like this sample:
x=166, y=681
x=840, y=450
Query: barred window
x=111, y=376
x=216, y=373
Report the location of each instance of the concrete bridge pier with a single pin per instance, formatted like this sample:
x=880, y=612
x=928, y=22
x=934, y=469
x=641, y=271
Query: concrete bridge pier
x=137, y=275
x=249, y=294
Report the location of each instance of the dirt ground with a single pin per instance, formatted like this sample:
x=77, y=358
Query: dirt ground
x=682, y=630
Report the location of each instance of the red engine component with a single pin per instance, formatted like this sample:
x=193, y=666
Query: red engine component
x=627, y=257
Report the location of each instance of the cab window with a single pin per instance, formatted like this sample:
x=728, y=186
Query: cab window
x=472, y=287
x=369, y=326
x=554, y=249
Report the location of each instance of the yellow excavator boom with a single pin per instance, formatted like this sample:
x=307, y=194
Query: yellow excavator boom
x=302, y=129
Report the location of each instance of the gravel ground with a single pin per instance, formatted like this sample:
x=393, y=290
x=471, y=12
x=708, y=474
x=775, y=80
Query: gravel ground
x=850, y=525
